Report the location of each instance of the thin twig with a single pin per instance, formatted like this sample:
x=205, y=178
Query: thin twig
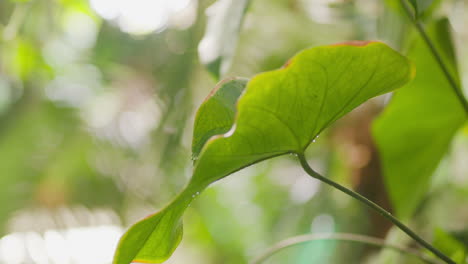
x=375, y=207
x=420, y=27
x=297, y=240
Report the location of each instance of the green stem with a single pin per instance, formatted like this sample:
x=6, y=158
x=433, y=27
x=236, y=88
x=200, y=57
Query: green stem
x=375, y=207
x=377, y=242
x=420, y=27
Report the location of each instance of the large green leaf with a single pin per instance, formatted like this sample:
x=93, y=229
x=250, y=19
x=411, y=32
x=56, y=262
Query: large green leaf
x=218, y=45
x=280, y=112
x=415, y=130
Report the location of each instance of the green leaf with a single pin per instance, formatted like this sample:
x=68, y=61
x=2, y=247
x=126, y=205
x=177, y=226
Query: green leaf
x=280, y=112
x=450, y=246
x=153, y=239
x=416, y=128
x=218, y=45
x=216, y=115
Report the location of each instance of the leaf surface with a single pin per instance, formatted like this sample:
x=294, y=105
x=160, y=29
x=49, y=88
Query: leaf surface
x=279, y=112
x=216, y=115
x=416, y=128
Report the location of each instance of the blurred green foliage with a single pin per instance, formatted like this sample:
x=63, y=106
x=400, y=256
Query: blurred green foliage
x=96, y=112
x=421, y=110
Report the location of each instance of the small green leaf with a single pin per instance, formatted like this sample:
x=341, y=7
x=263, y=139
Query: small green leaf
x=416, y=128
x=216, y=115
x=218, y=45
x=280, y=112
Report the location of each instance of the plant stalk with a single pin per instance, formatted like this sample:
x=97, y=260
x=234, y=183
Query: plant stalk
x=375, y=207
x=346, y=237
x=420, y=27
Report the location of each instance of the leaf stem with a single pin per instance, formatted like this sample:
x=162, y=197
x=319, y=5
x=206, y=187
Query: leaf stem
x=420, y=27
x=375, y=207
x=297, y=240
